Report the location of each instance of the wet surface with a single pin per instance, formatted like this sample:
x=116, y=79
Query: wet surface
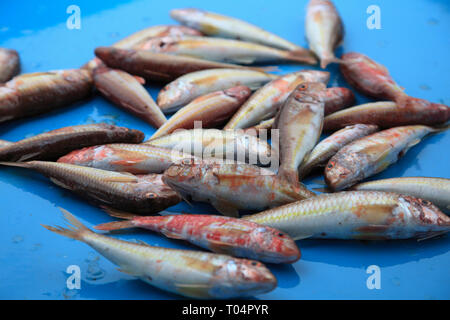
x=33, y=261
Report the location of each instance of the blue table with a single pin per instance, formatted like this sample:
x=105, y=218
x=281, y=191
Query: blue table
x=413, y=43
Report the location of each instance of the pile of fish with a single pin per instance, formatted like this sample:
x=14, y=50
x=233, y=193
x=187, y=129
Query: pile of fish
x=206, y=66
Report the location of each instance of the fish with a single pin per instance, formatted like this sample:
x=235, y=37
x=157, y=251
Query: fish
x=385, y=114
x=125, y=91
x=142, y=194
x=299, y=122
x=160, y=67
x=226, y=50
x=219, y=234
x=4, y=143
x=217, y=25
x=324, y=30
x=361, y=215
x=189, y=273
x=372, y=154
x=230, y=187
x=328, y=147
x=135, y=40
x=122, y=157
x=34, y=93
x=373, y=79
x=220, y=144
x=55, y=143
x=186, y=88
x=435, y=190
x=335, y=99
x=212, y=109
x=266, y=101
x=9, y=64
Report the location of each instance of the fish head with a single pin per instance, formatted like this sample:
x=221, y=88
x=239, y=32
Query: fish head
x=276, y=244
x=426, y=214
x=316, y=76
x=184, y=175
x=240, y=93
x=158, y=194
x=160, y=44
x=247, y=276
x=256, y=151
x=341, y=171
x=175, y=94
x=309, y=92
x=87, y=155
x=187, y=16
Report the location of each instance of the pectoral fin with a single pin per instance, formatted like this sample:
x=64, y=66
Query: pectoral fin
x=226, y=208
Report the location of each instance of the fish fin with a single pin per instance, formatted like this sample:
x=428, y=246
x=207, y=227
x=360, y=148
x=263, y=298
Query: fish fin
x=220, y=246
x=75, y=229
x=441, y=128
x=28, y=156
x=128, y=271
x=118, y=213
x=302, y=236
x=124, y=177
x=115, y=225
x=194, y=290
x=140, y=79
x=226, y=208
x=432, y=235
x=171, y=235
x=326, y=61
x=60, y=183
x=243, y=60
x=409, y=146
x=302, y=56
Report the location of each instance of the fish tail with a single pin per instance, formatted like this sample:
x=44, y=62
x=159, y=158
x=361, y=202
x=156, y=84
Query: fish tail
x=302, y=56
x=16, y=164
x=115, y=225
x=326, y=61
x=76, y=230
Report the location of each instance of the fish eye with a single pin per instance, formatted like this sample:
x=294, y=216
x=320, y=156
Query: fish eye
x=426, y=202
x=280, y=234
x=150, y=195
x=254, y=263
x=330, y=165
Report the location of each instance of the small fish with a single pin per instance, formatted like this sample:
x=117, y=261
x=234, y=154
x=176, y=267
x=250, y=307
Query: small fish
x=126, y=92
x=212, y=109
x=385, y=114
x=300, y=122
x=436, y=190
x=335, y=98
x=362, y=215
x=192, y=274
x=324, y=30
x=35, y=93
x=195, y=84
x=159, y=67
x=144, y=194
x=221, y=144
x=328, y=147
x=55, y=143
x=214, y=24
x=373, y=79
x=226, y=50
x=9, y=64
x=372, y=154
x=4, y=143
x=135, y=40
x=120, y=157
x=266, y=101
x=226, y=235
x=231, y=187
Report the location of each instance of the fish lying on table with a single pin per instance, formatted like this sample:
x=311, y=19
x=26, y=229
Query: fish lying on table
x=192, y=85
x=373, y=79
x=372, y=154
x=143, y=194
x=363, y=215
x=120, y=157
x=189, y=273
x=34, y=93
x=226, y=235
x=55, y=143
x=231, y=187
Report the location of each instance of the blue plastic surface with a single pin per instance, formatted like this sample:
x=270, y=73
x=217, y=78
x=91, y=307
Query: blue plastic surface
x=413, y=43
